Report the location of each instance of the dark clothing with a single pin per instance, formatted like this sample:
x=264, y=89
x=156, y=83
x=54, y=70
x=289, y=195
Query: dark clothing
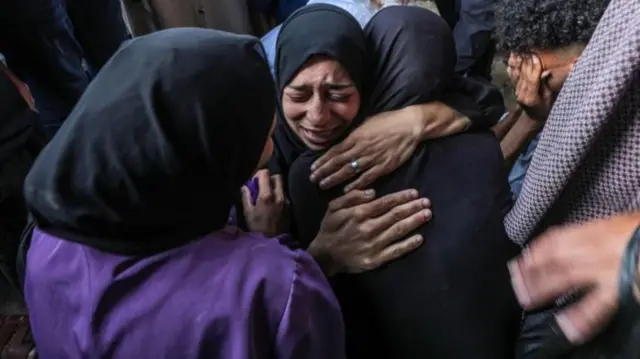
x=21, y=140
x=452, y=297
x=103, y=180
x=49, y=42
x=132, y=257
x=472, y=22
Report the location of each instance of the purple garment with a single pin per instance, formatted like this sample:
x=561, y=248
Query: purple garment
x=229, y=295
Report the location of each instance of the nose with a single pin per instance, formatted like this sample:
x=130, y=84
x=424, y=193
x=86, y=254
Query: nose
x=318, y=113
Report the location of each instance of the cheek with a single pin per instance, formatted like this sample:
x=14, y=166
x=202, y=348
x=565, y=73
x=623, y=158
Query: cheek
x=292, y=110
x=347, y=110
x=557, y=80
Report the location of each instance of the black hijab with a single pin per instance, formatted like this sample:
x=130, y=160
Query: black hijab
x=313, y=30
x=451, y=298
x=159, y=144
x=413, y=57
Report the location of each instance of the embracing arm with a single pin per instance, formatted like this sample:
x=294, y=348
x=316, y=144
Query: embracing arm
x=436, y=119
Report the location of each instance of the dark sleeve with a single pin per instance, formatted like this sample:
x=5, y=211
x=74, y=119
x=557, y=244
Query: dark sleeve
x=477, y=99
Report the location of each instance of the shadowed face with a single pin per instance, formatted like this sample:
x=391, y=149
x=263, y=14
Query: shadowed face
x=320, y=102
x=559, y=64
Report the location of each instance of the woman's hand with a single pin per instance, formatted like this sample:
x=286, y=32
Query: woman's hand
x=379, y=146
x=532, y=92
x=360, y=233
x=583, y=257
x=269, y=214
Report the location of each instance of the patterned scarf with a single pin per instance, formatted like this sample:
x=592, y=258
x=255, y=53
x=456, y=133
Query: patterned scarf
x=587, y=163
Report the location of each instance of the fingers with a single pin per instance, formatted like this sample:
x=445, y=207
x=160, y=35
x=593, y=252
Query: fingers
x=346, y=172
x=546, y=271
x=265, y=193
x=351, y=199
x=396, y=251
x=278, y=189
x=366, y=178
x=333, y=160
x=583, y=320
x=402, y=223
x=532, y=69
x=398, y=214
x=527, y=90
x=513, y=68
x=514, y=61
x=383, y=205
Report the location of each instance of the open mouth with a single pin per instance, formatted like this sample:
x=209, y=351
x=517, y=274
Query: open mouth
x=316, y=137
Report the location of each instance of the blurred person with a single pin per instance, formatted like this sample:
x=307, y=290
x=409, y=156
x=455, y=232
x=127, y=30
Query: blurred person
x=472, y=22
x=21, y=139
x=57, y=46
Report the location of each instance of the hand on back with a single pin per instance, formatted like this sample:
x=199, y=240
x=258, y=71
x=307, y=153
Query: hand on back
x=360, y=233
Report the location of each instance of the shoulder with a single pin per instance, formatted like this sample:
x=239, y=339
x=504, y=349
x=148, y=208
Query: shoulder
x=286, y=280
x=277, y=265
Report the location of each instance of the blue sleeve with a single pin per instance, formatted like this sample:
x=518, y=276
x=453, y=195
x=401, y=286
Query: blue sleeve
x=269, y=43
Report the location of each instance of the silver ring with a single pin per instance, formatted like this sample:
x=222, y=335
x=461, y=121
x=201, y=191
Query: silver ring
x=355, y=165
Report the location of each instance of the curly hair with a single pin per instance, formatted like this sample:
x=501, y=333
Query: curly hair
x=525, y=25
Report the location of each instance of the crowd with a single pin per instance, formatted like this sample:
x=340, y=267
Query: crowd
x=349, y=186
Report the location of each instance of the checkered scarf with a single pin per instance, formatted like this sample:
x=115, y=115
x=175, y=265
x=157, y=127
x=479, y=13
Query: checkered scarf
x=587, y=163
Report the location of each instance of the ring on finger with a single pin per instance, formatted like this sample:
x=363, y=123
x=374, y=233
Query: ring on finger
x=355, y=165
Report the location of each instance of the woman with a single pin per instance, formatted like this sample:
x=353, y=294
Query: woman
x=131, y=257
x=585, y=179
x=451, y=297
x=392, y=145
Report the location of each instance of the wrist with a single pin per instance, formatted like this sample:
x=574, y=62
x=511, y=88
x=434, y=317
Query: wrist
x=531, y=124
x=419, y=123
x=322, y=257
x=435, y=120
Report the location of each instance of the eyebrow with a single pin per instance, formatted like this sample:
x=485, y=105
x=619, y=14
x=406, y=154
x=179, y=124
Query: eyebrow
x=331, y=86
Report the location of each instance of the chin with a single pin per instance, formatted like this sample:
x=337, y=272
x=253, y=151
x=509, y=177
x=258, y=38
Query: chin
x=315, y=146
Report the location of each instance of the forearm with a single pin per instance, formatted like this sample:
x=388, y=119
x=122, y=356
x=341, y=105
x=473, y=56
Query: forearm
x=522, y=132
x=503, y=127
x=438, y=120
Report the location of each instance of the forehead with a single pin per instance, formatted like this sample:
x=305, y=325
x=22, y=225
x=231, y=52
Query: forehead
x=322, y=70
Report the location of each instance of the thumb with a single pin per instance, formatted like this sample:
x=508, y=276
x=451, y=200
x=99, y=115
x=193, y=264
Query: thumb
x=586, y=318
